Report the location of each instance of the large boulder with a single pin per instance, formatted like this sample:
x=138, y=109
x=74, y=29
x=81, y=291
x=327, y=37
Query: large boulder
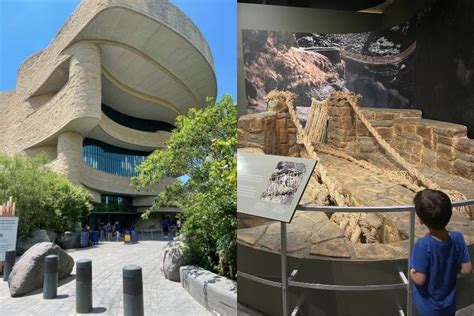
x=38, y=236
x=171, y=259
x=27, y=273
x=70, y=240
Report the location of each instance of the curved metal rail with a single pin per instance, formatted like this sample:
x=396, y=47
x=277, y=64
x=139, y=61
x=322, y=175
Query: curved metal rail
x=290, y=281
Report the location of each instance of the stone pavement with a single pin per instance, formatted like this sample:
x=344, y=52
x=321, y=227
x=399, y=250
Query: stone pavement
x=161, y=296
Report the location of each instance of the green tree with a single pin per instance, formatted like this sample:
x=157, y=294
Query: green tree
x=203, y=148
x=44, y=199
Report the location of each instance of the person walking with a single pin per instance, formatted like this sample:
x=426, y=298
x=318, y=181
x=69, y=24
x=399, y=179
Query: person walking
x=178, y=225
x=165, y=225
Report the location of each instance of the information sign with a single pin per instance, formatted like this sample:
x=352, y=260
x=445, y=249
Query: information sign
x=8, y=231
x=271, y=186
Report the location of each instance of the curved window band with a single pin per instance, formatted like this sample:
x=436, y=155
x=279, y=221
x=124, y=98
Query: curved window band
x=135, y=122
x=111, y=159
x=115, y=203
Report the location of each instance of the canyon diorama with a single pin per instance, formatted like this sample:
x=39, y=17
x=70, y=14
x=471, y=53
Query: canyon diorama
x=360, y=104
x=349, y=101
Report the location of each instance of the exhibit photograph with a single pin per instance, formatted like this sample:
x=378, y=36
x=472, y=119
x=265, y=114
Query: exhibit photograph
x=380, y=94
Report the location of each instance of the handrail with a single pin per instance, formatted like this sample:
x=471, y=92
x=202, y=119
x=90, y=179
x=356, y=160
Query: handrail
x=290, y=281
x=258, y=279
x=339, y=287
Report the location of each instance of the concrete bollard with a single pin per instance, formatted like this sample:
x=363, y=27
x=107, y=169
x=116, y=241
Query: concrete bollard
x=83, y=286
x=50, y=282
x=10, y=256
x=132, y=291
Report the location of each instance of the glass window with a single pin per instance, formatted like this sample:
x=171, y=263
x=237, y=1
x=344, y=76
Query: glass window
x=115, y=203
x=111, y=159
x=135, y=122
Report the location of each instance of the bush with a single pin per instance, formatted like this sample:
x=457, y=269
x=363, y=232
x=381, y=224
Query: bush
x=44, y=199
x=202, y=147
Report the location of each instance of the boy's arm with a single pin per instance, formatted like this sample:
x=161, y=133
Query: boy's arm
x=417, y=277
x=466, y=265
x=419, y=263
x=466, y=268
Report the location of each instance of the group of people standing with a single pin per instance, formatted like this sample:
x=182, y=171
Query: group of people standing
x=168, y=224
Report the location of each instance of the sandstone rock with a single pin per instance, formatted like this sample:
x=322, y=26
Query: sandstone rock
x=337, y=248
x=27, y=274
x=172, y=259
x=37, y=237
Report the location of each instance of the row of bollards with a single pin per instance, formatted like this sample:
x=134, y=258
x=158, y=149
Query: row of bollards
x=132, y=286
x=132, y=283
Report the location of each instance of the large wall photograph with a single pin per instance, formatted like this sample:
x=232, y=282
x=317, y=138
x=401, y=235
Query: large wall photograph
x=424, y=63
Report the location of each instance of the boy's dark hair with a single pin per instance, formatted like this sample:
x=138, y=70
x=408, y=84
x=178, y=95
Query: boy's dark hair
x=433, y=208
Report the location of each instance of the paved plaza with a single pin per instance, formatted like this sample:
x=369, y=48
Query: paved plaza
x=161, y=296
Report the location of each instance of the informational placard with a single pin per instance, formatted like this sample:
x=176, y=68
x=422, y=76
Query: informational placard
x=8, y=231
x=271, y=186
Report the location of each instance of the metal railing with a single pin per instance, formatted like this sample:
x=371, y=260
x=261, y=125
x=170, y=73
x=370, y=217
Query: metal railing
x=286, y=281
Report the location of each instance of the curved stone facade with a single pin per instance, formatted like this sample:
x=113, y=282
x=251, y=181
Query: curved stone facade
x=139, y=139
x=112, y=52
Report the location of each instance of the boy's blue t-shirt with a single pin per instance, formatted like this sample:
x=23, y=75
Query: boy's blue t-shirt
x=440, y=261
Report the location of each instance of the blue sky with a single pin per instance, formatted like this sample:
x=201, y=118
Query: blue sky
x=27, y=26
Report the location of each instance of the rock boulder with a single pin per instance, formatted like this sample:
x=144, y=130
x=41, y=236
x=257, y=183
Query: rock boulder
x=38, y=236
x=70, y=240
x=27, y=274
x=172, y=259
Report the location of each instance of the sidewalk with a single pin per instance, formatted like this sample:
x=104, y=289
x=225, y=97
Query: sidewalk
x=161, y=296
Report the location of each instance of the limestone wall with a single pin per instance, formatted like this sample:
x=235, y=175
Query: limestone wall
x=69, y=156
x=437, y=144
x=346, y=131
x=39, y=119
x=39, y=66
x=133, y=136
x=273, y=132
x=440, y=145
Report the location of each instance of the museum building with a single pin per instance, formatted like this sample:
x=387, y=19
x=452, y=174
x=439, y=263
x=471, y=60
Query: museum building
x=104, y=94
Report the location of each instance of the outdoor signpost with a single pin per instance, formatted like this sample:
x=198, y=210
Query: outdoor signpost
x=8, y=229
x=271, y=187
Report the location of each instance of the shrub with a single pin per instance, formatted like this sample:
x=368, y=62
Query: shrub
x=202, y=147
x=44, y=199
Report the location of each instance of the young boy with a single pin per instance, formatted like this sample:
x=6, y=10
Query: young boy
x=438, y=257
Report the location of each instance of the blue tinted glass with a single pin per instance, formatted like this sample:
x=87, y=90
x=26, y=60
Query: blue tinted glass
x=111, y=159
x=115, y=203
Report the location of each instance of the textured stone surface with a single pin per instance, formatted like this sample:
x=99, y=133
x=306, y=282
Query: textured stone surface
x=171, y=259
x=218, y=294
x=27, y=274
x=272, y=132
x=38, y=236
x=438, y=144
x=337, y=248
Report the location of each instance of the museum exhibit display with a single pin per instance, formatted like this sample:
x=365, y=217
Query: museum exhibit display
x=384, y=103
